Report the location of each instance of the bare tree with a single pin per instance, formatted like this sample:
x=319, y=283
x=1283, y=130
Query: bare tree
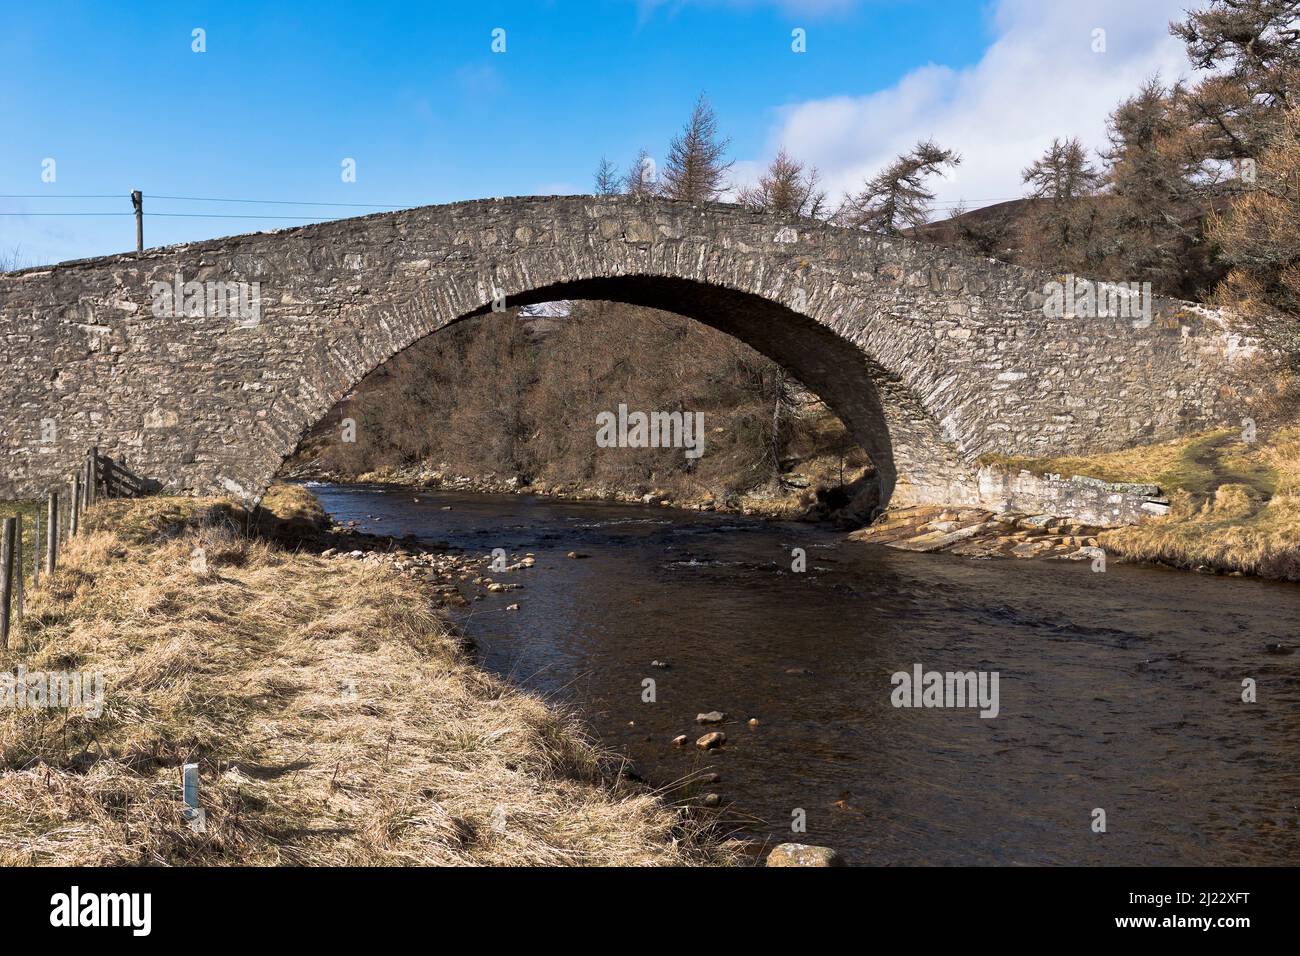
x=787, y=187
x=694, y=169
x=640, y=180
x=11, y=259
x=607, y=178
x=897, y=197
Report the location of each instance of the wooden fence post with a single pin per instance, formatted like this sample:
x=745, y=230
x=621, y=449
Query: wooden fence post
x=19, y=591
x=36, y=551
x=74, y=505
x=52, y=532
x=6, y=578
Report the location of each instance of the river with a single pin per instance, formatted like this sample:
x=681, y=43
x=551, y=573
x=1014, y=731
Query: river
x=1118, y=691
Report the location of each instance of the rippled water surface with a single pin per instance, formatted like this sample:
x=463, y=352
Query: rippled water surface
x=1120, y=691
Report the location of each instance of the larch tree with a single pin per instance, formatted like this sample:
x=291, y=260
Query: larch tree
x=787, y=187
x=1251, y=51
x=1061, y=228
x=695, y=169
x=1259, y=240
x=641, y=181
x=1157, y=182
x=898, y=198
x=1062, y=172
x=607, y=179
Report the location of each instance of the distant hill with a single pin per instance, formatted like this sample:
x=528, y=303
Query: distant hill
x=1000, y=226
x=1006, y=231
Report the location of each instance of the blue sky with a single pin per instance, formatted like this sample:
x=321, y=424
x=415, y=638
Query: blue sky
x=413, y=92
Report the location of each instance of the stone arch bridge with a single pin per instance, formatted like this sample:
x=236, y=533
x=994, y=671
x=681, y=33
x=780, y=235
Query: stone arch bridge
x=931, y=358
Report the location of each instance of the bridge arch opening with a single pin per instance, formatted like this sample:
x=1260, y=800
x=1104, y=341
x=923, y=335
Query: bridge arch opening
x=829, y=365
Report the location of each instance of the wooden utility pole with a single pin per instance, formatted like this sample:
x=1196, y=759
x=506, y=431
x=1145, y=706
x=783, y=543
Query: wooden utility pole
x=137, y=200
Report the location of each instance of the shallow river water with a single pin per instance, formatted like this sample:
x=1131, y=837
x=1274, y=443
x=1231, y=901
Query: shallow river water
x=1118, y=691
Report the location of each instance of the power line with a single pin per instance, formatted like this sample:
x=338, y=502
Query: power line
x=273, y=202
x=289, y=202
x=176, y=215
x=63, y=196
x=229, y=215
x=67, y=214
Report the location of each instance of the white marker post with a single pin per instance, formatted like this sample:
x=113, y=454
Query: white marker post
x=194, y=814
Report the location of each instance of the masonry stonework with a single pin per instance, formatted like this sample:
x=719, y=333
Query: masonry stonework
x=930, y=357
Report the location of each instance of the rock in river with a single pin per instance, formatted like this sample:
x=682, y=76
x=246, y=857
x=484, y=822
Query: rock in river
x=800, y=854
x=712, y=717
x=711, y=741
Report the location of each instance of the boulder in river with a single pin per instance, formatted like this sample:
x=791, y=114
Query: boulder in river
x=710, y=717
x=711, y=741
x=801, y=854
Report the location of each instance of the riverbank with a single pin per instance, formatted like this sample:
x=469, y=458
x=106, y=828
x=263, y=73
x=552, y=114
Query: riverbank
x=1234, y=506
x=821, y=491
x=334, y=716
x=1235, y=500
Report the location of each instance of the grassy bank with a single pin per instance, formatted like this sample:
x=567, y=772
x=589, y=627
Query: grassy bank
x=334, y=717
x=1235, y=504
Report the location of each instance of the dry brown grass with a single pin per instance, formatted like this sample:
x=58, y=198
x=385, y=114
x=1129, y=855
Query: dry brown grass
x=247, y=669
x=1197, y=463
x=1251, y=528
x=1231, y=531
x=1236, y=505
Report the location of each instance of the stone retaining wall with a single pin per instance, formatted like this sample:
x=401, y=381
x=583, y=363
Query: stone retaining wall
x=1085, y=500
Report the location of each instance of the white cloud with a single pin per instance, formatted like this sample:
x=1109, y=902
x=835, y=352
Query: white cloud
x=1040, y=78
x=804, y=8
